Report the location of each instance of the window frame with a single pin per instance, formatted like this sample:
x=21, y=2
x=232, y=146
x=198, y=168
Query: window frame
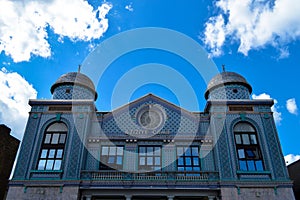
x=52, y=149
x=106, y=158
x=147, y=156
x=248, y=151
x=187, y=157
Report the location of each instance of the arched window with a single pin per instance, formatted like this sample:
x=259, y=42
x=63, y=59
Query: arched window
x=52, y=150
x=247, y=146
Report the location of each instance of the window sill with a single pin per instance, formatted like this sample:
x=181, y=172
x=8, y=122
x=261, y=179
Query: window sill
x=48, y=174
x=253, y=172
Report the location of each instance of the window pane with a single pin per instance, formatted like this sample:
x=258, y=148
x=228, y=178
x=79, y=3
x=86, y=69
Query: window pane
x=51, y=153
x=111, y=159
x=250, y=153
x=41, y=165
x=57, y=165
x=55, y=137
x=142, y=161
x=49, y=165
x=156, y=168
x=119, y=151
x=253, y=139
x=241, y=153
x=62, y=138
x=149, y=160
x=179, y=151
x=44, y=153
x=112, y=151
x=188, y=161
x=195, y=151
x=180, y=168
x=259, y=165
x=157, y=151
x=188, y=151
x=157, y=161
x=47, y=138
x=119, y=160
x=246, y=139
x=251, y=166
x=238, y=139
x=196, y=161
x=196, y=168
x=149, y=150
x=59, y=153
x=188, y=168
x=180, y=161
x=243, y=165
x=104, y=151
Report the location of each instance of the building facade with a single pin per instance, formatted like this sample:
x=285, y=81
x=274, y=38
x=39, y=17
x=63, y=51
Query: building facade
x=294, y=170
x=151, y=148
x=8, y=150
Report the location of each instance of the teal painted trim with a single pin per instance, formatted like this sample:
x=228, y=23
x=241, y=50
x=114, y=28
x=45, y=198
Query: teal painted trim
x=25, y=189
x=253, y=172
x=60, y=189
x=46, y=171
x=275, y=190
x=238, y=190
x=58, y=117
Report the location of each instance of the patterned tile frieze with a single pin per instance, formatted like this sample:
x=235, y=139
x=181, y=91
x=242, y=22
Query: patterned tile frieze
x=72, y=92
x=233, y=91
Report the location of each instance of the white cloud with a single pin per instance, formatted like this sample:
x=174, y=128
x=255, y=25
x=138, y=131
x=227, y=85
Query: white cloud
x=290, y=158
x=276, y=113
x=254, y=25
x=215, y=35
x=291, y=106
x=129, y=7
x=23, y=25
x=14, y=108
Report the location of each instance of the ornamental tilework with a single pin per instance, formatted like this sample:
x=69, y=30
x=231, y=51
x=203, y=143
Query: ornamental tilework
x=124, y=121
x=277, y=161
x=72, y=92
x=92, y=159
x=230, y=92
x=222, y=149
x=26, y=148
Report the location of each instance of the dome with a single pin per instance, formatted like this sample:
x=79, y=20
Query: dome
x=226, y=78
x=74, y=78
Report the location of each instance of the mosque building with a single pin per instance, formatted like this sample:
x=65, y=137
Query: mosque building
x=151, y=148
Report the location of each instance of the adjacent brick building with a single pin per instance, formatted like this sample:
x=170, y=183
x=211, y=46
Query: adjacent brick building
x=8, y=150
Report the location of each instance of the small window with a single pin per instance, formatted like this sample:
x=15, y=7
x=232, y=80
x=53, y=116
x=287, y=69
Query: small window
x=150, y=158
x=188, y=158
x=111, y=157
x=68, y=90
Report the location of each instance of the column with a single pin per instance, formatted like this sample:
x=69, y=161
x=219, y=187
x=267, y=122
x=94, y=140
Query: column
x=128, y=197
x=211, y=198
x=170, y=197
x=88, y=197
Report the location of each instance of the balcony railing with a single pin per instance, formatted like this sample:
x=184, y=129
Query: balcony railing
x=149, y=176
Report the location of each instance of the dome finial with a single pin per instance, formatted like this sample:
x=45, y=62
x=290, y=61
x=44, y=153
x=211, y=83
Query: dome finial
x=79, y=68
x=223, y=68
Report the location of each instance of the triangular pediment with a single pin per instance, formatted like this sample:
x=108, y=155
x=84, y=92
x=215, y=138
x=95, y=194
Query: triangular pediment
x=147, y=113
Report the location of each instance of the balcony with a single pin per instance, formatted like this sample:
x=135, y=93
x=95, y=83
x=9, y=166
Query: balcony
x=187, y=176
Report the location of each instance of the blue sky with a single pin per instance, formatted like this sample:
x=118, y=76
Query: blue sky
x=41, y=40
